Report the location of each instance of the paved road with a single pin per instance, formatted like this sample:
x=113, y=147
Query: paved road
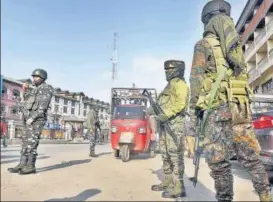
x=67, y=173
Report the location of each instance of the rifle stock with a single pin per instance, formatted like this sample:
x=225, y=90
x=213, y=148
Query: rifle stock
x=158, y=110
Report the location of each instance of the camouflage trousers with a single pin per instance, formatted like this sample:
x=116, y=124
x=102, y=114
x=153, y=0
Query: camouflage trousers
x=31, y=138
x=172, y=155
x=222, y=140
x=190, y=141
x=92, y=142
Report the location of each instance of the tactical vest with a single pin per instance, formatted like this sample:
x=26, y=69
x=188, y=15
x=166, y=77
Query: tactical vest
x=231, y=89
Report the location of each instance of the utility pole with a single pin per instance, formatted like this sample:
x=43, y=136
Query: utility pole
x=114, y=58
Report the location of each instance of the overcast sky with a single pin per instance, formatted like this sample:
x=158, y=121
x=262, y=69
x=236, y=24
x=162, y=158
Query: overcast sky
x=73, y=39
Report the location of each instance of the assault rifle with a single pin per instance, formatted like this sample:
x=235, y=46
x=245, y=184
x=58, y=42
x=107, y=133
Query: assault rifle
x=202, y=121
x=197, y=150
x=157, y=109
x=21, y=106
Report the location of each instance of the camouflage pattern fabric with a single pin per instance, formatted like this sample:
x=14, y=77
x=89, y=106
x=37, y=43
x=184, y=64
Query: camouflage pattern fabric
x=223, y=27
x=92, y=118
x=173, y=100
x=221, y=141
x=223, y=136
x=92, y=143
x=31, y=137
x=37, y=101
x=172, y=156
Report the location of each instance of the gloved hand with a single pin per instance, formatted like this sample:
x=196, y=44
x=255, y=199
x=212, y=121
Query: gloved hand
x=199, y=112
x=29, y=121
x=161, y=118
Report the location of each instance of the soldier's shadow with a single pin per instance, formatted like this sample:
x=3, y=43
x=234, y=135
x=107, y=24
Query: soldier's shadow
x=83, y=196
x=63, y=165
x=9, y=156
x=11, y=150
x=200, y=193
x=104, y=153
x=17, y=160
x=140, y=156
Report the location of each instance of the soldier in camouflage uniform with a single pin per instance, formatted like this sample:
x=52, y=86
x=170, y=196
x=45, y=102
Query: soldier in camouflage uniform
x=36, y=104
x=229, y=125
x=92, y=123
x=173, y=100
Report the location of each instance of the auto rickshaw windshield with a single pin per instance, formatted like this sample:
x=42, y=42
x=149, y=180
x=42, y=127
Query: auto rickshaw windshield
x=129, y=112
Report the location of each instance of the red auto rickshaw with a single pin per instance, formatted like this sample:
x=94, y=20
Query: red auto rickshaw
x=131, y=128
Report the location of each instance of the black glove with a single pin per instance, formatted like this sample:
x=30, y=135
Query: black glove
x=199, y=112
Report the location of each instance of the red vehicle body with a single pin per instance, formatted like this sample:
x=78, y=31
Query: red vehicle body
x=262, y=120
x=131, y=129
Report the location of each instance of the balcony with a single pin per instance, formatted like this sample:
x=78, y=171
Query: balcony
x=259, y=40
x=266, y=63
x=254, y=73
x=262, y=66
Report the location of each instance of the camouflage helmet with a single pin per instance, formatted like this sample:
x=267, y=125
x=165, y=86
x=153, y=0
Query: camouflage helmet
x=215, y=7
x=40, y=72
x=177, y=68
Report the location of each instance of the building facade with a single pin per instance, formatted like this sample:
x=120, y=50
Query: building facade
x=255, y=26
x=64, y=106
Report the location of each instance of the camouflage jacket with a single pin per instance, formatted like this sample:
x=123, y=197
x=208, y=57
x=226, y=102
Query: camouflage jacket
x=203, y=63
x=174, y=98
x=37, y=101
x=92, y=119
x=199, y=67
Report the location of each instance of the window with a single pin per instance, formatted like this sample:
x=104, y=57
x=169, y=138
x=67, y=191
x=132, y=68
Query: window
x=14, y=110
x=5, y=89
x=85, y=106
x=65, y=110
x=57, y=99
x=73, y=103
x=84, y=113
x=267, y=86
x=3, y=109
x=16, y=93
x=129, y=112
x=72, y=110
x=56, y=108
x=65, y=101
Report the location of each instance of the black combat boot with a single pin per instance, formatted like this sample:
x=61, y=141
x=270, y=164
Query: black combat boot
x=178, y=190
x=30, y=167
x=20, y=166
x=166, y=184
x=92, y=154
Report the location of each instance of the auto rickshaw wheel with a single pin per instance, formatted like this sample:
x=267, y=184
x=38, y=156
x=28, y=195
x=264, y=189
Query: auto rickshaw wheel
x=116, y=153
x=125, y=153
